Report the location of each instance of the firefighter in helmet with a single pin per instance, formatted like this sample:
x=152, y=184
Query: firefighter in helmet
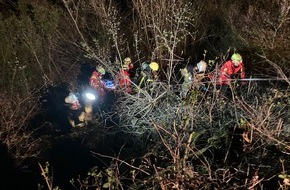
x=199, y=77
x=127, y=64
x=149, y=73
x=124, y=77
x=76, y=115
x=97, y=83
x=232, y=69
x=193, y=77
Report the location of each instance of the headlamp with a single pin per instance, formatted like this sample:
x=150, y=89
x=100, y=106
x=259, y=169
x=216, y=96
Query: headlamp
x=90, y=96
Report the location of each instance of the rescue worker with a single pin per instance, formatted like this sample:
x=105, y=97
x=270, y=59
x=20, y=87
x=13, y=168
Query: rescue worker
x=123, y=78
x=97, y=83
x=193, y=77
x=127, y=64
x=186, y=73
x=149, y=73
x=199, y=77
x=76, y=115
x=232, y=69
x=154, y=66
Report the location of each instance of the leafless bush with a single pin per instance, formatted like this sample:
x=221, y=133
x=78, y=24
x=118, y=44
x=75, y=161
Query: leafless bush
x=193, y=139
x=166, y=28
x=97, y=25
x=282, y=74
x=267, y=29
x=264, y=28
x=138, y=111
x=16, y=114
x=198, y=128
x=164, y=20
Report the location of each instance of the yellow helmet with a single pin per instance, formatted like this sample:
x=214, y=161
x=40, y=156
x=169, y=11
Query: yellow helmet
x=125, y=67
x=101, y=70
x=127, y=60
x=154, y=66
x=236, y=57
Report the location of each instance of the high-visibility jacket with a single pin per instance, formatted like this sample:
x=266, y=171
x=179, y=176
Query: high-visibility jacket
x=124, y=80
x=228, y=70
x=187, y=82
x=147, y=77
x=97, y=83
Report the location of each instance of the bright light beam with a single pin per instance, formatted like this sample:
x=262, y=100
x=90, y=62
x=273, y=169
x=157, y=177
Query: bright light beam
x=90, y=96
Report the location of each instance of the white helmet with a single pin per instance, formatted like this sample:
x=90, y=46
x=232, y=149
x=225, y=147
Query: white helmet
x=71, y=98
x=201, y=66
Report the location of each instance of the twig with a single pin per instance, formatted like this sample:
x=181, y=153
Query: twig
x=119, y=160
